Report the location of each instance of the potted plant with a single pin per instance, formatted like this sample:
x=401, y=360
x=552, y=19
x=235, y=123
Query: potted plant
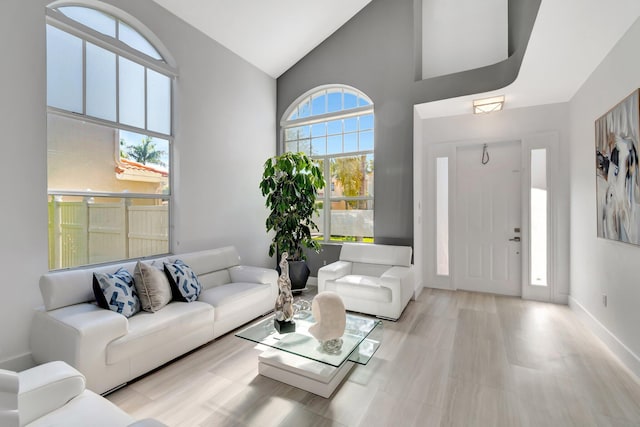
x=290, y=183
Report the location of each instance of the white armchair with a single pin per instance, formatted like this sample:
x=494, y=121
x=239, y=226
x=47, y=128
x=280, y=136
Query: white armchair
x=370, y=278
x=54, y=394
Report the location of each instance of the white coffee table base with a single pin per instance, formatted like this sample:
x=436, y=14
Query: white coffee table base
x=309, y=375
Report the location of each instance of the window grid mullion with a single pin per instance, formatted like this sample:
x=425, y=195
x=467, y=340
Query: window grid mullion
x=354, y=147
x=345, y=114
x=146, y=94
x=111, y=127
x=118, y=56
x=70, y=26
x=326, y=206
x=84, y=77
x=117, y=84
x=351, y=198
x=326, y=101
x=108, y=194
x=108, y=123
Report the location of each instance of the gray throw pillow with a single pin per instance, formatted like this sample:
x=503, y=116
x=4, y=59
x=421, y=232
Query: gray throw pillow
x=153, y=287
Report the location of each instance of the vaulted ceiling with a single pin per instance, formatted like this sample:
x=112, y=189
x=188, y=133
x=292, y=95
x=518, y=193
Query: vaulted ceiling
x=570, y=38
x=271, y=34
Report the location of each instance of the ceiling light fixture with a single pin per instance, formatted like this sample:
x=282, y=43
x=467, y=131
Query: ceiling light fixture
x=488, y=105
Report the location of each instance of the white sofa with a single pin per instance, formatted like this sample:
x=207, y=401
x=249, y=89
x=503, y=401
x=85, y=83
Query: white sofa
x=54, y=394
x=110, y=349
x=371, y=278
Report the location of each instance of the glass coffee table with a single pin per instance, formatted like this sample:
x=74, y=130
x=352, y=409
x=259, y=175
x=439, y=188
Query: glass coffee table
x=298, y=359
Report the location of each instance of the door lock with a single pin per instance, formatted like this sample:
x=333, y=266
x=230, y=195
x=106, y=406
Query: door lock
x=515, y=239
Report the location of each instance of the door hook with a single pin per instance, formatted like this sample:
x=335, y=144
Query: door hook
x=485, y=155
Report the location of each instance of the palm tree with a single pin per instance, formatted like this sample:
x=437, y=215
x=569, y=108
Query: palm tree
x=146, y=152
x=123, y=153
x=349, y=172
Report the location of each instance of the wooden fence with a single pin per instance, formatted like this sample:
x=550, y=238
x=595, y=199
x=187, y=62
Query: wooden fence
x=84, y=232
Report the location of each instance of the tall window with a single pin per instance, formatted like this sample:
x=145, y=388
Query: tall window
x=539, y=217
x=442, y=216
x=334, y=125
x=109, y=138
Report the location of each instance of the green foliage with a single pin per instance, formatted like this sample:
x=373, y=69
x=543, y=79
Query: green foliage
x=348, y=170
x=146, y=152
x=123, y=154
x=290, y=183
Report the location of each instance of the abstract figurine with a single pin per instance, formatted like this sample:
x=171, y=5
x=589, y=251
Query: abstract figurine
x=284, y=309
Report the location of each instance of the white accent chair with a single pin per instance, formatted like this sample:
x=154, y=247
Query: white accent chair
x=54, y=394
x=371, y=278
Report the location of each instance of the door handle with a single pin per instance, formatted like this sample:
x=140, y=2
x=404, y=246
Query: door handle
x=515, y=239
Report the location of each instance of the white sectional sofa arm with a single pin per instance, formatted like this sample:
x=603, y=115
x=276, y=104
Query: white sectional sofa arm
x=333, y=271
x=9, y=386
x=77, y=334
x=250, y=274
x=398, y=273
x=46, y=388
x=54, y=394
x=401, y=281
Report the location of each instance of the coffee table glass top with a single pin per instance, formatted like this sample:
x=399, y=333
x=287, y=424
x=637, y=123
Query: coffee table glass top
x=360, y=341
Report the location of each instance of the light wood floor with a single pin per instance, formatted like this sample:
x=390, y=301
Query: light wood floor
x=453, y=359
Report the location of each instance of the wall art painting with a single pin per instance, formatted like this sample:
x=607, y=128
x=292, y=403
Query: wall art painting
x=617, y=175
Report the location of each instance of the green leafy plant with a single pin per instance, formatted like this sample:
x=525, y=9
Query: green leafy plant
x=145, y=152
x=290, y=183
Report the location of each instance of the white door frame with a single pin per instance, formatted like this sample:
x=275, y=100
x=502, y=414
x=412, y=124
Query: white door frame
x=547, y=140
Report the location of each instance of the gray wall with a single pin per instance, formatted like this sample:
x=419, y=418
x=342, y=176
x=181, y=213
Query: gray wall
x=224, y=130
x=375, y=52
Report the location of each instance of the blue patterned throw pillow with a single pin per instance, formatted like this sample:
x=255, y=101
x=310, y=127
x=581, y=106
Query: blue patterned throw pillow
x=116, y=292
x=184, y=282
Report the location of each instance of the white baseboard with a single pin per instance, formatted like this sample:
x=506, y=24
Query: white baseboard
x=417, y=291
x=561, y=299
x=437, y=286
x=18, y=363
x=617, y=347
x=312, y=281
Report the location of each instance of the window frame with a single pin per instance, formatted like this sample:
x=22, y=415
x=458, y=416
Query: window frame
x=163, y=66
x=327, y=199
x=64, y=23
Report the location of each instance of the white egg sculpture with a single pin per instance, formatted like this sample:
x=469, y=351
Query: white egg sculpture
x=331, y=318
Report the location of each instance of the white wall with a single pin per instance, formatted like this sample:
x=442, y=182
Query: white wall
x=225, y=130
x=23, y=245
x=592, y=267
x=418, y=190
x=463, y=35
x=530, y=125
x=601, y=266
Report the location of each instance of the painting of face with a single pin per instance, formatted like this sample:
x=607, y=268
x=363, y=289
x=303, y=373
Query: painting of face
x=617, y=178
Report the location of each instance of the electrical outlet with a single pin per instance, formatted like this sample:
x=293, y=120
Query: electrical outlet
x=604, y=299
x=324, y=262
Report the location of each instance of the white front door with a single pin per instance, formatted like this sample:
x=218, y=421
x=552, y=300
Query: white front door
x=487, y=220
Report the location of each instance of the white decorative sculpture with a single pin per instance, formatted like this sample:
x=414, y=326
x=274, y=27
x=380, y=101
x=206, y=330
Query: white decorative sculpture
x=331, y=318
x=284, y=302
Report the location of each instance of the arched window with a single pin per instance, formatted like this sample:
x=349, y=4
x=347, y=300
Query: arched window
x=109, y=136
x=334, y=125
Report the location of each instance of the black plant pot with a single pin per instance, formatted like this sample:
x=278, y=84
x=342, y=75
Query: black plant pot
x=298, y=274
